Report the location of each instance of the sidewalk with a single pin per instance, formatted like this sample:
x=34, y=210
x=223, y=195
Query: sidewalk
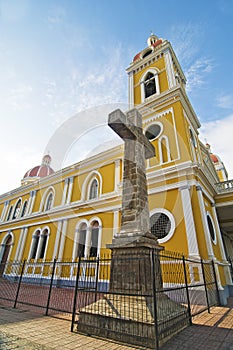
x=26, y=330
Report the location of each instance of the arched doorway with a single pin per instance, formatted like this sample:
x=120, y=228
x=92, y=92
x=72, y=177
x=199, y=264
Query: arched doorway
x=6, y=250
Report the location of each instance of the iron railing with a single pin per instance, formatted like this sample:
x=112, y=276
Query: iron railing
x=180, y=289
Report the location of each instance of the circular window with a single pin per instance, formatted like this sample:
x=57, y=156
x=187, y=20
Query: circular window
x=160, y=225
x=211, y=228
x=153, y=131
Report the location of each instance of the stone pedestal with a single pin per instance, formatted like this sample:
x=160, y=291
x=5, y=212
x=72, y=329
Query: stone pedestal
x=135, y=311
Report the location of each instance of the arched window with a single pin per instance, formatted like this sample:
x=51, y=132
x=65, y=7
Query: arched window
x=4, y=252
x=81, y=241
x=35, y=243
x=25, y=204
x=164, y=150
x=49, y=201
x=93, y=193
x=149, y=85
x=43, y=244
x=17, y=209
x=94, y=239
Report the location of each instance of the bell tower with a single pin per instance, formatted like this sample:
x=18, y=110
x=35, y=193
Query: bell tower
x=153, y=71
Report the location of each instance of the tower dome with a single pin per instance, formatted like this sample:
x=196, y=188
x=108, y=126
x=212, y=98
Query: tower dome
x=153, y=42
x=38, y=171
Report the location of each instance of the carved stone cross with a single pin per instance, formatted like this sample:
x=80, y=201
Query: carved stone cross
x=135, y=212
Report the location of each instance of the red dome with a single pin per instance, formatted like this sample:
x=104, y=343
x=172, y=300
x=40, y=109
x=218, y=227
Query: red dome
x=154, y=45
x=214, y=158
x=41, y=170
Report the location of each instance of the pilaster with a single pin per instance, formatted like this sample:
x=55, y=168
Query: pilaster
x=189, y=222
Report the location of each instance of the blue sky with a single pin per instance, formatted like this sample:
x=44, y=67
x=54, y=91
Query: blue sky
x=58, y=58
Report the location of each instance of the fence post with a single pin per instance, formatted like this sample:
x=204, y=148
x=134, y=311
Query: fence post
x=75, y=295
x=50, y=287
x=187, y=291
x=19, y=284
x=216, y=282
x=206, y=292
x=97, y=278
x=153, y=272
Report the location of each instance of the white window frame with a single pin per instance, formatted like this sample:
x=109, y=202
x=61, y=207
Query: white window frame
x=214, y=241
x=172, y=220
x=45, y=198
x=142, y=84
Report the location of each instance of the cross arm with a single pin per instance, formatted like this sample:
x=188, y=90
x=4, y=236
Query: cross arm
x=117, y=120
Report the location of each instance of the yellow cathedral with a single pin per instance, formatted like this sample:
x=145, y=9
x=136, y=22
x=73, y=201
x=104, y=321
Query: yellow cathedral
x=75, y=212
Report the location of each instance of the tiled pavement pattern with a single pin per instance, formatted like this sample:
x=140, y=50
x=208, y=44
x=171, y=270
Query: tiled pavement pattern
x=25, y=330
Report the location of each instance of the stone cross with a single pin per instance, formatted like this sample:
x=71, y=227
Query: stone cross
x=135, y=219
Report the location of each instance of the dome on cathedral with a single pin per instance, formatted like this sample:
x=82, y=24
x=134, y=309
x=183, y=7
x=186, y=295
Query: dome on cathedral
x=214, y=158
x=38, y=171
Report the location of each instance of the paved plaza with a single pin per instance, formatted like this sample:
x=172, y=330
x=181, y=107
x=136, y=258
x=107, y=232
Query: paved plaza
x=26, y=330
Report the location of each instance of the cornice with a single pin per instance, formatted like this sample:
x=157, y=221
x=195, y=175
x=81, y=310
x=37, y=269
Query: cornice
x=75, y=169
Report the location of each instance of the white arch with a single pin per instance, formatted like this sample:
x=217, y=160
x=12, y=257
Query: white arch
x=88, y=224
x=172, y=220
x=87, y=184
x=3, y=244
x=76, y=236
x=14, y=208
x=164, y=137
x=155, y=72
x=45, y=196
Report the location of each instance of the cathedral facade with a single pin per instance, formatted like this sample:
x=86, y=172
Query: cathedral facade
x=75, y=212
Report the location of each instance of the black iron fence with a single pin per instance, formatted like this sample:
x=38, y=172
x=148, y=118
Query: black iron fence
x=179, y=289
x=230, y=260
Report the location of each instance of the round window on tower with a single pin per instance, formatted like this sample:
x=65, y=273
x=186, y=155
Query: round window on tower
x=153, y=131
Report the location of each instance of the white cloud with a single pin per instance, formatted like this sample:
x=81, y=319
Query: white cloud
x=56, y=15
x=187, y=39
x=16, y=163
x=196, y=73
x=219, y=135
x=83, y=88
x=19, y=97
x=225, y=101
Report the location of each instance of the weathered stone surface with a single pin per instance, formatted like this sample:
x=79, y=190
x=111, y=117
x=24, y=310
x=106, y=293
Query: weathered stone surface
x=135, y=275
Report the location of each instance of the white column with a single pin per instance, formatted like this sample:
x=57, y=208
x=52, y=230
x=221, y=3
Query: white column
x=65, y=191
x=131, y=90
x=88, y=242
x=4, y=211
x=116, y=228
x=169, y=68
x=189, y=222
x=62, y=241
x=117, y=175
x=32, y=201
x=19, y=243
x=205, y=223
x=57, y=240
x=227, y=271
x=70, y=190
x=23, y=237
